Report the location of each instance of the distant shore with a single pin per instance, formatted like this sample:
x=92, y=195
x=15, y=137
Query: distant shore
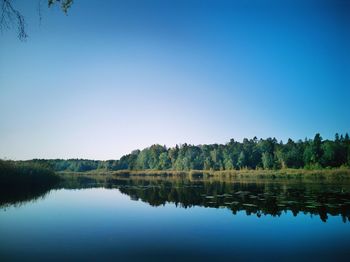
x=333, y=173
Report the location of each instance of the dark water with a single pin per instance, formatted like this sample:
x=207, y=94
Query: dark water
x=154, y=219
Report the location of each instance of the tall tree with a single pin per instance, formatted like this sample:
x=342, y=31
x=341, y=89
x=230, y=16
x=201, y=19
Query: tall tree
x=317, y=149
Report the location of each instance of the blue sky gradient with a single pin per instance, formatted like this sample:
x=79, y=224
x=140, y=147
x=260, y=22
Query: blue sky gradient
x=113, y=76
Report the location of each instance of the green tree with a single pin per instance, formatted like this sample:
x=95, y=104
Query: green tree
x=242, y=160
x=317, y=149
x=267, y=160
x=208, y=163
x=164, y=161
x=329, y=149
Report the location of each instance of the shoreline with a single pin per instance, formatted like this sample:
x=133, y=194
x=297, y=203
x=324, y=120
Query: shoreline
x=334, y=173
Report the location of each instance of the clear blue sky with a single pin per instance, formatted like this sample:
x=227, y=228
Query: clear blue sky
x=113, y=76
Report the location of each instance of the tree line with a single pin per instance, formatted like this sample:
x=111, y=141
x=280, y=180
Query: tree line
x=250, y=154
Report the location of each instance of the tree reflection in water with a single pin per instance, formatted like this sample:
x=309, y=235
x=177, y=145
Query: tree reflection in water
x=255, y=196
x=259, y=197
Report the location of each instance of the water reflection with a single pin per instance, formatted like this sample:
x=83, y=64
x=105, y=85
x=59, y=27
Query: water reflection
x=256, y=197
x=17, y=196
x=259, y=197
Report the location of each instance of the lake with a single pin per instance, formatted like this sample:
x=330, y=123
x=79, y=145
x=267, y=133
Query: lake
x=179, y=219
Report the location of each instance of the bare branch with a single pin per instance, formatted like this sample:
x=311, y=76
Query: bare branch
x=39, y=11
x=10, y=15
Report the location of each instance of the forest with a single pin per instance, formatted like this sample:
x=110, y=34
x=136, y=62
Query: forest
x=253, y=153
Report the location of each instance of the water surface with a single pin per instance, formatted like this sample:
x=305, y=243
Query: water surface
x=179, y=220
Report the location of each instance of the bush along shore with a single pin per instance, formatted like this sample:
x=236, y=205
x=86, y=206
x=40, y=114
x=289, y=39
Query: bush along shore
x=25, y=174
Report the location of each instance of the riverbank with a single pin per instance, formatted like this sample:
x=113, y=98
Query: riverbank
x=334, y=173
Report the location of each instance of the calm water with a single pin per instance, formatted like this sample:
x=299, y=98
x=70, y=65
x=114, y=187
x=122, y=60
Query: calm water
x=180, y=220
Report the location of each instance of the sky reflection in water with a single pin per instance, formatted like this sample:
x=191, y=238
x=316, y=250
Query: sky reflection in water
x=102, y=223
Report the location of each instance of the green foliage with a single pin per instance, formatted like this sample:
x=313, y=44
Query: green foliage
x=25, y=174
x=316, y=149
x=249, y=154
x=164, y=161
x=65, y=4
x=267, y=160
x=241, y=162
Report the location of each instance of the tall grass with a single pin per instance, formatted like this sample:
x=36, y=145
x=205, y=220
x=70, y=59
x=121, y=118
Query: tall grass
x=15, y=174
x=339, y=173
x=21, y=181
